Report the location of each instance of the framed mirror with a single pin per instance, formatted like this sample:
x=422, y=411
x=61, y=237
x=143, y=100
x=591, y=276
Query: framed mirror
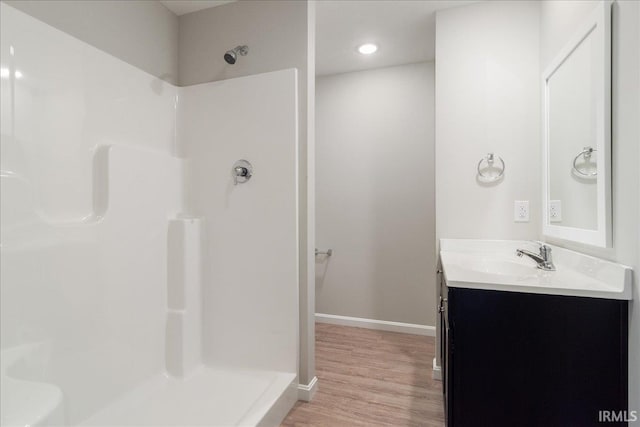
x=577, y=135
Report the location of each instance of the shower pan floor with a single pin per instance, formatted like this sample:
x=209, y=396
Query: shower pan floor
x=208, y=396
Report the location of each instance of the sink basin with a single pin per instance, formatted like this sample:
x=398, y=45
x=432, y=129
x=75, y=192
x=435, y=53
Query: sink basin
x=499, y=266
x=493, y=265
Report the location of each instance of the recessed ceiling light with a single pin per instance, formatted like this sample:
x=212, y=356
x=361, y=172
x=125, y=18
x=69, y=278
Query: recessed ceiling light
x=18, y=74
x=4, y=73
x=367, y=48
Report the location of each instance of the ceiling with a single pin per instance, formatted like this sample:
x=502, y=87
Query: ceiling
x=404, y=31
x=180, y=7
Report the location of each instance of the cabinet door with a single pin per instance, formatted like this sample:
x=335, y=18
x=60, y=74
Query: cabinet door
x=535, y=360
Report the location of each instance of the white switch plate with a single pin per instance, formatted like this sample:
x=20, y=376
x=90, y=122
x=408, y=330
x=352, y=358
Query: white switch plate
x=555, y=211
x=521, y=211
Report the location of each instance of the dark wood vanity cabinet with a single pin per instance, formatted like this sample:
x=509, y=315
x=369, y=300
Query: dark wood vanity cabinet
x=521, y=359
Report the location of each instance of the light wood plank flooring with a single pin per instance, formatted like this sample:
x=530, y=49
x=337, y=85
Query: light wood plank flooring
x=371, y=378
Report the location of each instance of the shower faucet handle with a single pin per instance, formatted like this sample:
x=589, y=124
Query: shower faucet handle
x=241, y=172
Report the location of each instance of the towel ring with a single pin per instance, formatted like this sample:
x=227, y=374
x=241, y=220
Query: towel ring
x=586, y=153
x=490, y=159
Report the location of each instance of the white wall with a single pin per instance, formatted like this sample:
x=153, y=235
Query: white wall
x=274, y=30
x=558, y=21
x=142, y=33
x=487, y=98
x=375, y=194
x=279, y=35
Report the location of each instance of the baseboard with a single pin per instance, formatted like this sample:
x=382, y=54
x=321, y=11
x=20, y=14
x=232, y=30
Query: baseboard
x=436, y=372
x=307, y=391
x=382, y=325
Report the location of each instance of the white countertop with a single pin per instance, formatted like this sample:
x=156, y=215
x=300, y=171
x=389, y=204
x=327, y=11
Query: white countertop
x=494, y=265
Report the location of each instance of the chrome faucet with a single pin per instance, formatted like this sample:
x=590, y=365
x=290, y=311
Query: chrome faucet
x=543, y=259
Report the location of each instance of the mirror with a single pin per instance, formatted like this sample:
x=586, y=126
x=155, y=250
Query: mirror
x=577, y=135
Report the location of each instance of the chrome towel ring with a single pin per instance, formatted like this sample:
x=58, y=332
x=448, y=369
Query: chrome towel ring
x=586, y=153
x=490, y=159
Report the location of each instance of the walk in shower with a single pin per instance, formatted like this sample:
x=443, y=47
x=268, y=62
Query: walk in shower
x=139, y=284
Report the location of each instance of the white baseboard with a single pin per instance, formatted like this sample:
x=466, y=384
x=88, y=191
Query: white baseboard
x=382, y=325
x=436, y=372
x=307, y=391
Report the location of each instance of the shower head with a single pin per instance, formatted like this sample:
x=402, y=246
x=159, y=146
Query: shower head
x=232, y=55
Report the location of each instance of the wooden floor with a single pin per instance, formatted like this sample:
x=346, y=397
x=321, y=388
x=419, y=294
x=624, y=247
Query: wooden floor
x=371, y=378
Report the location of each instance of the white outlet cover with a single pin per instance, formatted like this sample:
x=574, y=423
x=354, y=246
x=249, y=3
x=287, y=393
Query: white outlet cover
x=555, y=210
x=521, y=211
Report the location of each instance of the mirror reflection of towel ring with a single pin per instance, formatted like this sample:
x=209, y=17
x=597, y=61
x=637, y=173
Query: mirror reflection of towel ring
x=586, y=153
x=490, y=159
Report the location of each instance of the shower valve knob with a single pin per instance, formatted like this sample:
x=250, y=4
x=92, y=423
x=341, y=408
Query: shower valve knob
x=241, y=172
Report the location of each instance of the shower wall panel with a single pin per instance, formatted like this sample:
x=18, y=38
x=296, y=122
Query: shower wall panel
x=251, y=256
x=115, y=285
x=89, y=180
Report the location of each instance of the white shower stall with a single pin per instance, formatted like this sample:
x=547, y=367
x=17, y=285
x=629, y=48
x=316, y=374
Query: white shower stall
x=139, y=285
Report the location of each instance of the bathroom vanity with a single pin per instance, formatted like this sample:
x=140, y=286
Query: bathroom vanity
x=526, y=347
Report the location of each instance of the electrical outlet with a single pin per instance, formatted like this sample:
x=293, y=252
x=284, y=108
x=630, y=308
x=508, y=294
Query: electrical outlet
x=555, y=211
x=521, y=211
